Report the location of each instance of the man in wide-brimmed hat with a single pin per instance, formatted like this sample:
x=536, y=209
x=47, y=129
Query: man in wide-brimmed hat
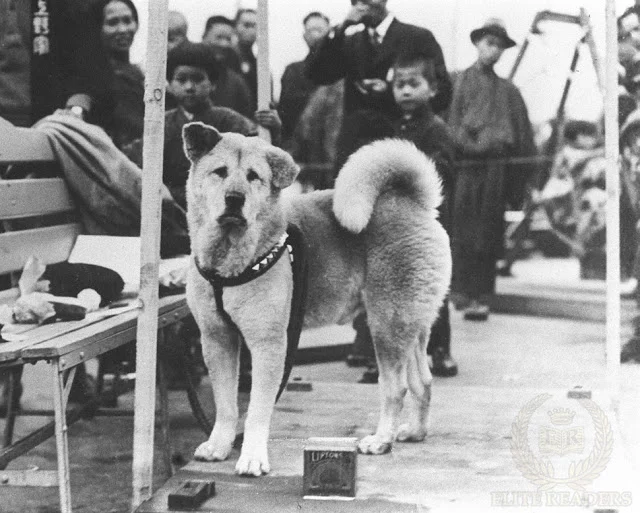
x=490, y=123
x=494, y=27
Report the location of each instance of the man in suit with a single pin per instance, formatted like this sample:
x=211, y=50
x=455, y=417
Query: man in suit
x=296, y=87
x=362, y=50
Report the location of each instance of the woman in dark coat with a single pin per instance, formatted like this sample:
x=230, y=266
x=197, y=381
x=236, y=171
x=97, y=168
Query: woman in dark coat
x=118, y=23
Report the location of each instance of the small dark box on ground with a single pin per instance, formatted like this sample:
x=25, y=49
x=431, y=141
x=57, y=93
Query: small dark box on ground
x=330, y=468
x=299, y=385
x=191, y=494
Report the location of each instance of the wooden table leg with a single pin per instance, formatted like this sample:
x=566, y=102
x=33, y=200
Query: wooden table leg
x=62, y=446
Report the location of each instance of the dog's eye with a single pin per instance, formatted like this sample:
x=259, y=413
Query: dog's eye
x=252, y=175
x=221, y=171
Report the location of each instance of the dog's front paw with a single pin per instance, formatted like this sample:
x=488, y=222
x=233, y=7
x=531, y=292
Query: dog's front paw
x=374, y=444
x=253, y=463
x=408, y=433
x=211, y=451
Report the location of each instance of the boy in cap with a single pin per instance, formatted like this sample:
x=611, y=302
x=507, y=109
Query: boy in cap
x=489, y=122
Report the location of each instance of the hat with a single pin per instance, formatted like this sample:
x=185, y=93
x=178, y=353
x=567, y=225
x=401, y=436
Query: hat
x=494, y=26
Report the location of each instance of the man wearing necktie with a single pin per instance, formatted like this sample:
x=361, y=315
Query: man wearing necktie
x=362, y=50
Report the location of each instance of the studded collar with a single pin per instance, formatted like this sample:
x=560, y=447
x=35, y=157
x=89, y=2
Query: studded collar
x=256, y=269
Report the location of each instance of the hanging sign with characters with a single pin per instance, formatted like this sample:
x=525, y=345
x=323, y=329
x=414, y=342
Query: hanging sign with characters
x=41, y=42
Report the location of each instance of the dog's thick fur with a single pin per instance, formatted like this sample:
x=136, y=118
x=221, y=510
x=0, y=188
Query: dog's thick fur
x=374, y=243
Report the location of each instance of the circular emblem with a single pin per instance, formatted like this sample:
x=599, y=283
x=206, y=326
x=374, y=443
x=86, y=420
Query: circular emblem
x=561, y=434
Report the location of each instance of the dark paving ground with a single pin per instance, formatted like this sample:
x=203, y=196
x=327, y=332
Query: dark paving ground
x=503, y=364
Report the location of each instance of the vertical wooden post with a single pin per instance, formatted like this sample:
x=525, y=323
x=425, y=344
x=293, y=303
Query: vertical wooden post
x=264, y=76
x=146, y=344
x=613, y=206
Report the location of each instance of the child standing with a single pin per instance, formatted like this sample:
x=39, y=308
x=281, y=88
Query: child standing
x=489, y=123
x=414, y=79
x=414, y=85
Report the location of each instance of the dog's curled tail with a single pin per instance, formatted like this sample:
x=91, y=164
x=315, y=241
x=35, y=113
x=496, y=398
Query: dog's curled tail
x=393, y=165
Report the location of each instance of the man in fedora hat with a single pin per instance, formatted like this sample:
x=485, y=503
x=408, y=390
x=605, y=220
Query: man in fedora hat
x=490, y=123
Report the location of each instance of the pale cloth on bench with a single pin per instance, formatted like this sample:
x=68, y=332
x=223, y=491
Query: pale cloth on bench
x=106, y=186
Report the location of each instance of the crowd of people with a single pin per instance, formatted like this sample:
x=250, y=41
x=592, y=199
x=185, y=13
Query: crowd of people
x=366, y=77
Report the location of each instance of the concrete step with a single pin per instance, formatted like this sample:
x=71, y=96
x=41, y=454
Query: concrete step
x=551, y=287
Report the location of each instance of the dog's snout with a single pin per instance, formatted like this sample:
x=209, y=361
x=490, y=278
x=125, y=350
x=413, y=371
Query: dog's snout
x=234, y=200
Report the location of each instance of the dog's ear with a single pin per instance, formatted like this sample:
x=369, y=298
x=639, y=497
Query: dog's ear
x=283, y=168
x=199, y=139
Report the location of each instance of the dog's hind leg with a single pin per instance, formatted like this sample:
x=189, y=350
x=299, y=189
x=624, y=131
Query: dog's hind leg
x=391, y=354
x=419, y=379
x=221, y=351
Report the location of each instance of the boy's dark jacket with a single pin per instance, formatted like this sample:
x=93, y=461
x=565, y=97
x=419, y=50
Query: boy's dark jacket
x=432, y=136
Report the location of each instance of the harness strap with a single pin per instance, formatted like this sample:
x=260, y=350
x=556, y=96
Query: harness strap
x=294, y=242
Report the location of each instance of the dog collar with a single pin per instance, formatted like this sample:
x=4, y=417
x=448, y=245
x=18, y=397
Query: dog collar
x=258, y=268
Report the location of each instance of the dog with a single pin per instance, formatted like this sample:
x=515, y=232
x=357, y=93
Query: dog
x=374, y=244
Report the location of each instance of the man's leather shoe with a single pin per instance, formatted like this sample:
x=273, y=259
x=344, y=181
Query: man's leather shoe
x=442, y=364
x=370, y=376
x=476, y=311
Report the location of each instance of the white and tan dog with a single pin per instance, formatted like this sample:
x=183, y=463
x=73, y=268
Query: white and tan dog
x=374, y=243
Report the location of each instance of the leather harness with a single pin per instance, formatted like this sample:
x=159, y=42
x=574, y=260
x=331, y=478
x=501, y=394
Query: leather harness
x=293, y=241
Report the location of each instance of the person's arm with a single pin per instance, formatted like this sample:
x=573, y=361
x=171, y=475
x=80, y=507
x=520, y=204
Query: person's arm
x=243, y=100
x=327, y=60
x=526, y=145
x=270, y=120
x=437, y=143
x=285, y=105
x=326, y=63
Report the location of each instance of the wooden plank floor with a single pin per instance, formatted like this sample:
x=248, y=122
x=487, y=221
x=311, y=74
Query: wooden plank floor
x=464, y=460
x=504, y=364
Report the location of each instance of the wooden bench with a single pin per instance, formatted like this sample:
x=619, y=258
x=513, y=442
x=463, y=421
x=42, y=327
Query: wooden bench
x=64, y=345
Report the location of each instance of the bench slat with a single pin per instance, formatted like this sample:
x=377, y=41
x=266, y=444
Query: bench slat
x=33, y=197
x=122, y=326
x=12, y=350
x=51, y=245
x=23, y=145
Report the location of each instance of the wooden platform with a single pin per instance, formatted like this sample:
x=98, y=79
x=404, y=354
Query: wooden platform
x=465, y=459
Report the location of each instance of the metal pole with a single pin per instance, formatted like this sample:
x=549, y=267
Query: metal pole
x=613, y=206
x=264, y=76
x=147, y=331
